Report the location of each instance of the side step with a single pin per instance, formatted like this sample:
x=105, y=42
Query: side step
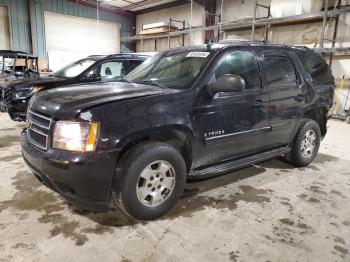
x=237, y=163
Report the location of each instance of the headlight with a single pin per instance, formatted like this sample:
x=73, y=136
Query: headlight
x=21, y=94
x=75, y=136
x=35, y=90
x=26, y=93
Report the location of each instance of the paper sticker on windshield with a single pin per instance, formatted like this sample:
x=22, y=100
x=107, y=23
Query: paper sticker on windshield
x=198, y=54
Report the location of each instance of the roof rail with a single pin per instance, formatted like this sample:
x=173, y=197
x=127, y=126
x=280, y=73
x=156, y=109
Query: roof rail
x=243, y=41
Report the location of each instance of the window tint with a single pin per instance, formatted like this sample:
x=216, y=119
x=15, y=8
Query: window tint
x=133, y=64
x=242, y=64
x=279, y=72
x=315, y=65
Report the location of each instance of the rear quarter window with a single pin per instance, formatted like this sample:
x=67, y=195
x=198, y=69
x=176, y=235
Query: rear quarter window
x=316, y=67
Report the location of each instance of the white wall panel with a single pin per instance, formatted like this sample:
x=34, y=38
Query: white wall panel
x=69, y=38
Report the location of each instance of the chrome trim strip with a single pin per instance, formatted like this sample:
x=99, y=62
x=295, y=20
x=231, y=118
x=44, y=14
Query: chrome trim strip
x=39, y=132
x=265, y=129
x=35, y=130
x=279, y=125
x=36, y=123
x=35, y=143
x=39, y=115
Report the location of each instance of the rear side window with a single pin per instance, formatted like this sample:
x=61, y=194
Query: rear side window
x=317, y=68
x=279, y=72
x=241, y=63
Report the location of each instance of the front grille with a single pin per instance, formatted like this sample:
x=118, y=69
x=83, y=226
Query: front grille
x=38, y=130
x=6, y=94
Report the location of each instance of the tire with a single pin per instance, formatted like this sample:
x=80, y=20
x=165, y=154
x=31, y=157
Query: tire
x=302, y=157
x=131, y=188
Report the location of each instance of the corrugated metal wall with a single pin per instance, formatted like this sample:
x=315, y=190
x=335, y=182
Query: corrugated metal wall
x=71, y=8
x=20, y=21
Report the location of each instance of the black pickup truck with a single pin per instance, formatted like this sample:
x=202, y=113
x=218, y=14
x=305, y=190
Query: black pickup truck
x=186, y=113
x=16, y=94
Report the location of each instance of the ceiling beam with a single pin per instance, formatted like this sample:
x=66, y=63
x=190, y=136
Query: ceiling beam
x=140, y=4
x=103, y=6
x=162, y=6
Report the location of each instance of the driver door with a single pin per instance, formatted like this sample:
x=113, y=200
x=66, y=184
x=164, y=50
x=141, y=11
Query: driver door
x=240, y=124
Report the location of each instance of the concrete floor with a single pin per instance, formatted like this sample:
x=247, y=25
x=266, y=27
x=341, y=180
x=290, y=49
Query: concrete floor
x=266, y=212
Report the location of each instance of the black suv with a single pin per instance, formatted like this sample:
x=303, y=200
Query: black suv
x=186, y=113
x=16, y=94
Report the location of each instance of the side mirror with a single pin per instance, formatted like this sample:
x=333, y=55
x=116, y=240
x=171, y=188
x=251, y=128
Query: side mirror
x=93, y=77
x=227, y=83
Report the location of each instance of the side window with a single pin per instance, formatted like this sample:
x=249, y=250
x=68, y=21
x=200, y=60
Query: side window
x=315, y=65
x=240, y=63
x=279, y=72
x=113, y=69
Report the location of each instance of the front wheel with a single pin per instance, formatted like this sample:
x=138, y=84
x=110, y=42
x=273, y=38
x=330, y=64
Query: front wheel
x=149, y=180
x=306, y=143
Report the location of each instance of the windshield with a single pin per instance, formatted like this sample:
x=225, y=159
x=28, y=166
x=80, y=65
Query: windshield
x=174, y=70
x=74, y=69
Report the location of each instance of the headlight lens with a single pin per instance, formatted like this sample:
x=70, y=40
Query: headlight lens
x=35, y=90
x=21, y=94
x=26, y=93
x=75, y=136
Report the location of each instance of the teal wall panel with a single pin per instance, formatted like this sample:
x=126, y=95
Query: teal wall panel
x=20, y=21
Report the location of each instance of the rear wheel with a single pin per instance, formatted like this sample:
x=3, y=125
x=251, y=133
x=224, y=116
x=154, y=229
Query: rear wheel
x=149, y=180
x=306, y=143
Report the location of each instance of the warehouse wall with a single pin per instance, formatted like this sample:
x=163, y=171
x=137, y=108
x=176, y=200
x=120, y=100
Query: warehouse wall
x=20, y=21
x=182, y=12
x=71, y=8
x=19, y=24
x=301, y=34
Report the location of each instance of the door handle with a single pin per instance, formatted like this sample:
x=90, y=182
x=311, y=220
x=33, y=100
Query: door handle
x=299, y=98
x=258, y=104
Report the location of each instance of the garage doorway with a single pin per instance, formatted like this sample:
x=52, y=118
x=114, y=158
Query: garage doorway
x=69, y=38
x=5, y=38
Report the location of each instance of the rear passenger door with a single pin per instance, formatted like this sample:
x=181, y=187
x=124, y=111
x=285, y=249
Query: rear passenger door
x=284, y=86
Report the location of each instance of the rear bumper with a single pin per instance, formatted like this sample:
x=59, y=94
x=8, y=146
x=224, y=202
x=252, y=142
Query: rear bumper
x=82, y=179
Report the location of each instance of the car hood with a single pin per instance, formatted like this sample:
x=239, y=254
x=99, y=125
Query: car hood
x=41, y=81
x=68, y=102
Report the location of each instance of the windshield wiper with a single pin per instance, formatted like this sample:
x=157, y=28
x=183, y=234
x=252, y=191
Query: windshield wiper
x=150, y=82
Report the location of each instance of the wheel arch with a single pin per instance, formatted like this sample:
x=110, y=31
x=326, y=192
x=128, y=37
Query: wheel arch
x=178, y=136
x=318, y=114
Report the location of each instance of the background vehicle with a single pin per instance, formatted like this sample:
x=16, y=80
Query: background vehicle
x=185, y=113
x=17, y=65
x=16, y=94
